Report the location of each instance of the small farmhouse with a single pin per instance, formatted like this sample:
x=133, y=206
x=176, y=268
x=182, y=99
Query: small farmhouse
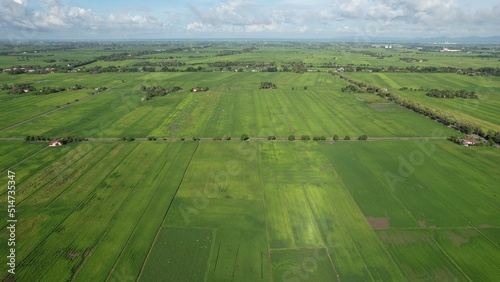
x=55, y=143
x=468, y=142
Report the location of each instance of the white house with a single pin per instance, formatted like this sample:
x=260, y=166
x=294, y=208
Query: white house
x=55, y=143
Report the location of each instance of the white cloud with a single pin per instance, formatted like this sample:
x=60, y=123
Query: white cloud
x=53, y=16
x=321, y=18
x=22, y=2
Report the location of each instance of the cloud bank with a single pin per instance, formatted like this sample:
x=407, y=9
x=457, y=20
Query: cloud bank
x=247, y=18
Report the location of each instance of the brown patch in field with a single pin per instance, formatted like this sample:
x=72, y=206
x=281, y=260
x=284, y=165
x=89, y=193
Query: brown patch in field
x=72, y=255
x=403, y=237
x=457, y=239
x=422, y=223
x=485, y=226
x=378, y=222
x=326, y=167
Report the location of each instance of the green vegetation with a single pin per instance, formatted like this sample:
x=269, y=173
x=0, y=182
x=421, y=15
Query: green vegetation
x=447, y=93
x=139, y=201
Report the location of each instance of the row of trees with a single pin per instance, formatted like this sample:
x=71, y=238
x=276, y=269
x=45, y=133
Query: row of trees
x=234, y=52
x=241, y=64
x=448, y=93
x=465, y=127
x=483, y=71
x=159, y=64
x=63, y=140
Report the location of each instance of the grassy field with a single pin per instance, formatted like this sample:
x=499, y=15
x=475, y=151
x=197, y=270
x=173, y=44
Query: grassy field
x=406, y=205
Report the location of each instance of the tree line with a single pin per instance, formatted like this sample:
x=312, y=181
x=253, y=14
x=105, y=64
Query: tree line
x=21, y=88
x=448, y=93
x=150, y=92
x=63, y=140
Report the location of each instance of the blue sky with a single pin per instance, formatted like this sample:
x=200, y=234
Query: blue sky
x=324, y=19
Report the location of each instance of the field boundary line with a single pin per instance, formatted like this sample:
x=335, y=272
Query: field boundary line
x=298, y=248
x=265, y=213
x=214, y=231
x=166, y=212
x=433, y=228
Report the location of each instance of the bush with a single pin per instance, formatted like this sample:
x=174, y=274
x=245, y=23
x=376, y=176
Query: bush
x=291, y=137
x=335, y=137
x=305, y=138
x=347, y=137
x=271, y=138
x=363, y=137
x=244, y=137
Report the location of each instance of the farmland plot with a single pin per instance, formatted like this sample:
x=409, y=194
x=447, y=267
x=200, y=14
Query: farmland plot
x=482, y=111
x=179, y=255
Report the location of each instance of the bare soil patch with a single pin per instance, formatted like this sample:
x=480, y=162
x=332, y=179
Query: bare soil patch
x=422, y=223
x=378, y=222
